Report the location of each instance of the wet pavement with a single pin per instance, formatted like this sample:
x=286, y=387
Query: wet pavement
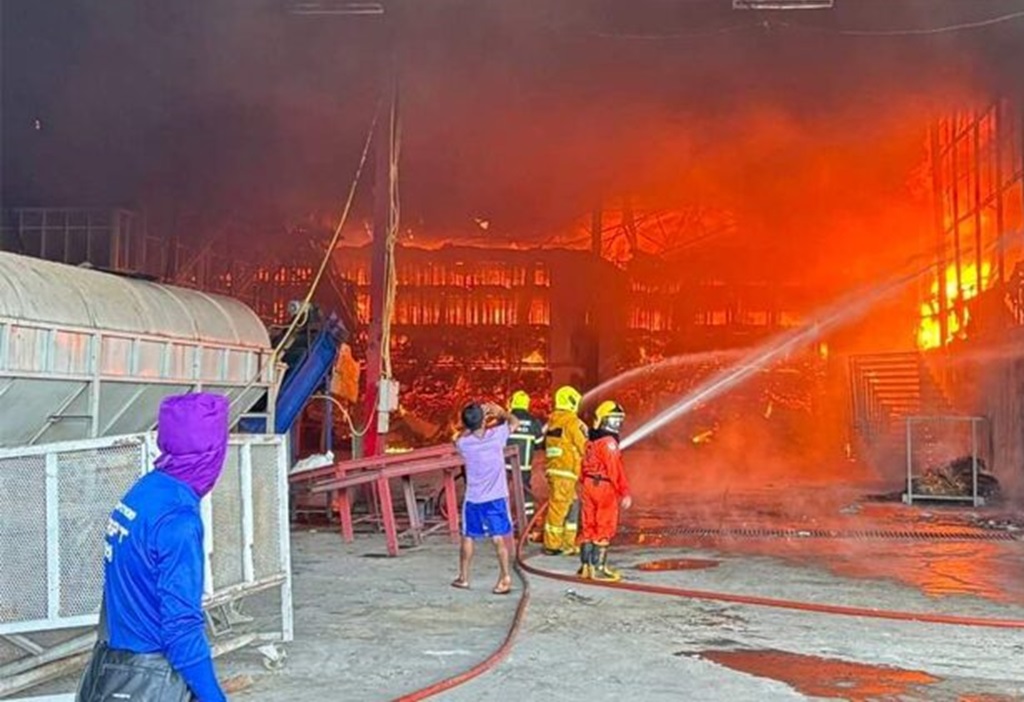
x=936, y=549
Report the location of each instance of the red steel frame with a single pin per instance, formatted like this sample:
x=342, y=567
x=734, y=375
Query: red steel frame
x=378, y=471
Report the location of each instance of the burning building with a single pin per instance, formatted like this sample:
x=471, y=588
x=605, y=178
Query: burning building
x=472, y=321
x=749, y=198
x=485, y=322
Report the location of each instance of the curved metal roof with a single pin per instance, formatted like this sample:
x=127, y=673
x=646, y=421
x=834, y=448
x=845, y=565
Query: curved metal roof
x=53, y=293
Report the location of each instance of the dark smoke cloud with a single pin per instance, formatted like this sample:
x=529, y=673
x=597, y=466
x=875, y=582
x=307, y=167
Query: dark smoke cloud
x=522, y=113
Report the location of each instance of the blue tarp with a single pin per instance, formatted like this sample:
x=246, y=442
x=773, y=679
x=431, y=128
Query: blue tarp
x=304, y=378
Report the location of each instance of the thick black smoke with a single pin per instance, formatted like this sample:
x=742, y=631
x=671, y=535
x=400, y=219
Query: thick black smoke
x=526, y=113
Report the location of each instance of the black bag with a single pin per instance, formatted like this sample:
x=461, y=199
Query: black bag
x=123, y=676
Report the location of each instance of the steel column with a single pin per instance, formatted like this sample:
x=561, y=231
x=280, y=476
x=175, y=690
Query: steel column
x=1000, y=222
x=284, y=534
x=974, y=461
x=977, y=206
x=380, y=256
x=52, y=538
x=940, y=227
x=958, y=306
x=910, y=465
x=248, y=518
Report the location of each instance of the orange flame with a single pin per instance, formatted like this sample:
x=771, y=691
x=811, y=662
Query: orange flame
x=929, y=332
x=703, y=437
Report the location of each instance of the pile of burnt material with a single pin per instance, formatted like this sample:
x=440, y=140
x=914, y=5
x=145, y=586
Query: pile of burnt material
x=954, y=480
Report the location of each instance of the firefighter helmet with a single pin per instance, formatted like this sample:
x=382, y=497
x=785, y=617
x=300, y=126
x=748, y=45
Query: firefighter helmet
x=567, y=398
x=520, y=401
x=609, y=416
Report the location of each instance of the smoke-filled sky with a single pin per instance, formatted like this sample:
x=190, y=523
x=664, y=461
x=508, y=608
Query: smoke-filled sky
x=522, y=113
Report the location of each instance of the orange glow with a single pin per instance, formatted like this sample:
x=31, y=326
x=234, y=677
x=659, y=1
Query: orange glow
x=825, y=677
x=678, y=564
x=534, y=358
x=957, y=292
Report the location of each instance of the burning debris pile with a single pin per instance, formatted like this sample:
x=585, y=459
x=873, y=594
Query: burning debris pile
x=954, y=480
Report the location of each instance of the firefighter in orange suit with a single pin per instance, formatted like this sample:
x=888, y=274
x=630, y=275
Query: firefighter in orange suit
x=565, y=440
x=603, y=489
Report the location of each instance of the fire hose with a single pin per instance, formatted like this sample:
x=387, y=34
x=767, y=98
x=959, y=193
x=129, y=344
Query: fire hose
x=522, y=567
x=506, y=645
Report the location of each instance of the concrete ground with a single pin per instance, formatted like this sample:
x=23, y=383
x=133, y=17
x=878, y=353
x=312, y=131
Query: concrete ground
x=369, y=627
x=372, y=628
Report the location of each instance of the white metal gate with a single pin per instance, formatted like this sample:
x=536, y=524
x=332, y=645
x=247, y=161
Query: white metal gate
x=55, y=501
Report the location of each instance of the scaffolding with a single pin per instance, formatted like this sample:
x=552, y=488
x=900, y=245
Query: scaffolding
x=121, y=241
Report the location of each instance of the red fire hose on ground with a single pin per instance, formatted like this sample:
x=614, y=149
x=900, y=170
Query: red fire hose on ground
x=522, y=567
x=506, y=646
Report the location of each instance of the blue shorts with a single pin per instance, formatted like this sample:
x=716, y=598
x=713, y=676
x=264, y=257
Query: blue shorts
x=484, y=520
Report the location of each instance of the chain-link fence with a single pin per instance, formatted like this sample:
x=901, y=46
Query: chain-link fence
x=56, y=500
x=949, y=458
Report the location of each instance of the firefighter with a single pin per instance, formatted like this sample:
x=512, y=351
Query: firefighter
x=603, y=489
x=565, y=440
x=527, y=437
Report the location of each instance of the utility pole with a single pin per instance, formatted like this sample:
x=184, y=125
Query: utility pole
x=380, y=392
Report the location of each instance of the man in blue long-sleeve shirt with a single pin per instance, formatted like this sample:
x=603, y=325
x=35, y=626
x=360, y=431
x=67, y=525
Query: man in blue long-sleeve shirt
x=154, y=565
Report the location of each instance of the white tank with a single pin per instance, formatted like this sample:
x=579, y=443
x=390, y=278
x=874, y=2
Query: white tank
x=86, y=354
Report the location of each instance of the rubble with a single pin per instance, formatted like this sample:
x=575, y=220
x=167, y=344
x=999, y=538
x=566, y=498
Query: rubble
x=954, y=480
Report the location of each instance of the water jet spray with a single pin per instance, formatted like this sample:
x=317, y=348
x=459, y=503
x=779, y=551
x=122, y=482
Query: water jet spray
x=841, y=312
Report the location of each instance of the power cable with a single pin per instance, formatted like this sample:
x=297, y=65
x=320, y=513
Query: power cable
x=303, y=312
x=768, y=25
x=911, y=31
x=345, y=414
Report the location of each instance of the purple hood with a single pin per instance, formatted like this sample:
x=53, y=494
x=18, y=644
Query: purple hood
x=192, y=434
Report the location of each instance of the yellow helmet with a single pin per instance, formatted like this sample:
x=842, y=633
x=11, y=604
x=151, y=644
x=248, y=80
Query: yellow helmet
x=609, y=416
x=520, y=401
x=567, y=398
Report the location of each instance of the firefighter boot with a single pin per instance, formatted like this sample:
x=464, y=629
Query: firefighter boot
x=602, y=571
x=586, y=571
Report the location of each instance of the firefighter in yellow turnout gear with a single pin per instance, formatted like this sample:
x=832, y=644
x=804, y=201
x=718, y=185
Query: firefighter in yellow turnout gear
x=565, y=440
